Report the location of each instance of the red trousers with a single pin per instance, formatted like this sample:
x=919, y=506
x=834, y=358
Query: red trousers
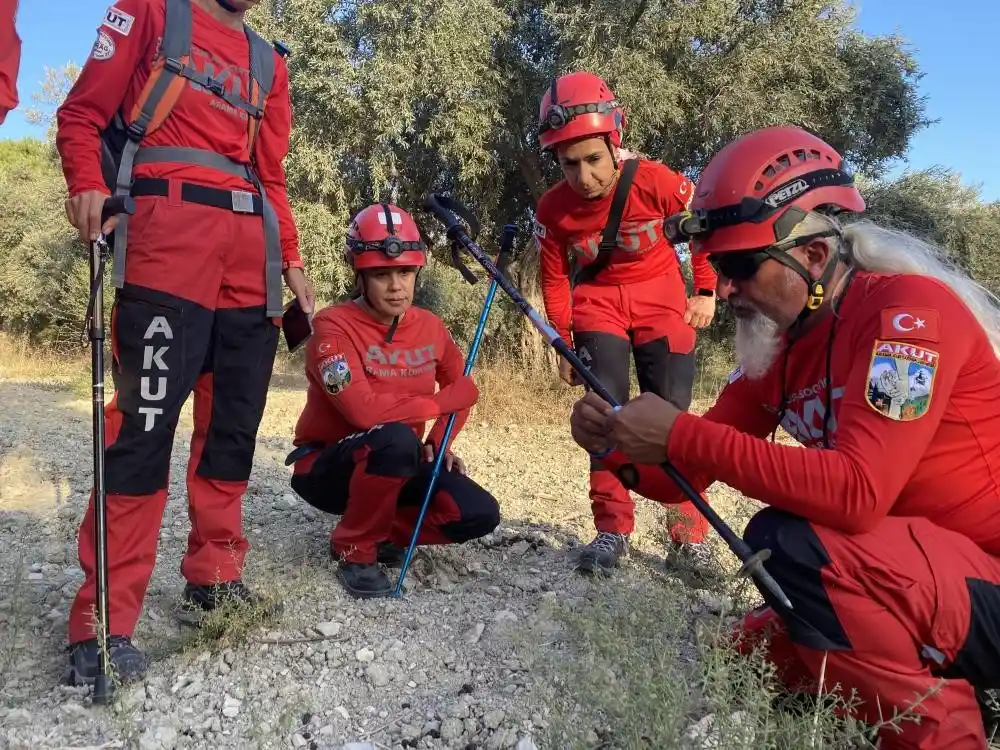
x=895, y=611
x=644, y=319
x=377, y=481
x=190, y=317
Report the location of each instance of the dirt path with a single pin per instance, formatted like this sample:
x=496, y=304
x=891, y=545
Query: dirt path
x=445, y=666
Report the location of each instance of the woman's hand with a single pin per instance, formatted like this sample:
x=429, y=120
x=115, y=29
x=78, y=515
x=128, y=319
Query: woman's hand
x=450, y=459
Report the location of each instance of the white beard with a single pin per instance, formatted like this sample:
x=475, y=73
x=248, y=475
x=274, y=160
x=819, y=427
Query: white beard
x=757, y=343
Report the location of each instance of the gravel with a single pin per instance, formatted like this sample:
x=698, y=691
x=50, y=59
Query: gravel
x=437, y=668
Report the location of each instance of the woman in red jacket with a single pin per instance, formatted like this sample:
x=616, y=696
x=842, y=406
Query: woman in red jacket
x=372, y=364
x=625, y=295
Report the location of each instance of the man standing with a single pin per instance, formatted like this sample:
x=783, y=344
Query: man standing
x=611, y=281
x=185, y=108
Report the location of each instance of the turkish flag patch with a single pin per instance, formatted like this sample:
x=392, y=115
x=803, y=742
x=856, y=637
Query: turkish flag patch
x=910, y=323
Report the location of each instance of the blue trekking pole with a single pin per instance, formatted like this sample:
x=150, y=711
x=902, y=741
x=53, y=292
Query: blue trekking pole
x=503, y=258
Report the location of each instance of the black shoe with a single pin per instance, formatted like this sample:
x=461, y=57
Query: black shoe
x=198, y=601
x=603, y=553
x=364, y=580
x=390, y=555
x=989, y=707
x=128, y=663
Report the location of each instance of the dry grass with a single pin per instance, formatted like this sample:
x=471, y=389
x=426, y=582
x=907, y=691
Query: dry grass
x=510, y=394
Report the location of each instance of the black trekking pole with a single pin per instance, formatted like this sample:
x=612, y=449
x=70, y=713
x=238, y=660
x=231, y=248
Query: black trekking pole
x=103, y=686
x=444, y=209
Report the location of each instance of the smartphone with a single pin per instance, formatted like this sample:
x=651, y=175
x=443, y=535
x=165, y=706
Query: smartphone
x=296, y=326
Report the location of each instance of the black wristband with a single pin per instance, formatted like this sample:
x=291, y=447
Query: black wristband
x=706, y=292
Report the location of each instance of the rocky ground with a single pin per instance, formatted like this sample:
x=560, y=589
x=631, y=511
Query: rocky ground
x=470, y=657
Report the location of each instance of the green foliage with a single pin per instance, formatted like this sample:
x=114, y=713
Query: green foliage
x=397, y=99
x=43, y=272
x=935, y=205
x=393, y=100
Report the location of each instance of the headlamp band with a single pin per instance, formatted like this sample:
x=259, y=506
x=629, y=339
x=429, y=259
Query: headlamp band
x=696, y=224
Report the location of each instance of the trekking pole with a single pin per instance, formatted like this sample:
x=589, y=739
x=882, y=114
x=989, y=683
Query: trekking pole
x=444, y=209
x=103, y=686
x=503, y=258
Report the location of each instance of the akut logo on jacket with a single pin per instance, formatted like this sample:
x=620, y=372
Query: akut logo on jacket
x=391, y=362
x=633, y=237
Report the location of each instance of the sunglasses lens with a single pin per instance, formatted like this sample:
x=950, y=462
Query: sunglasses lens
x=738, y=266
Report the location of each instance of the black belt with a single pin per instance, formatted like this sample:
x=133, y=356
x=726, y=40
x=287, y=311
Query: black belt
x=238, y=201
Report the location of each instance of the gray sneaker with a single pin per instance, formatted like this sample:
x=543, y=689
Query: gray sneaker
x=603, y=553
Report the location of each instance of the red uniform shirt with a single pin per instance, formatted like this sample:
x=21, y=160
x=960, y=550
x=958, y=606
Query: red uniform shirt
x=568, y=229
x=117, y=70
x=10, y=57
x=357, y=380
x=915, y=429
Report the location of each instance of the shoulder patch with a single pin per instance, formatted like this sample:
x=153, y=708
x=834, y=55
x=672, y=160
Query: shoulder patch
x=118, y=20
x=335, y=373
x=104, y=47
x=901, y=380
x=910, y=323
x=736, y=374
x=539, y=229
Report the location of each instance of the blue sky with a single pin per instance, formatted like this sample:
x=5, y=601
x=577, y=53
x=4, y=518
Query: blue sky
x=955, y=43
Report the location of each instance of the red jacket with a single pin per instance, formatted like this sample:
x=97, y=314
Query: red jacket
x=357, y=380
x=114, y=76
x=568, y=227
x=10, y=57
x=935, y=454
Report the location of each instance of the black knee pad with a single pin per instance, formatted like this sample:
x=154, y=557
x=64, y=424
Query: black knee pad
x=796, y=563
x=606, y=355
x=395, y=450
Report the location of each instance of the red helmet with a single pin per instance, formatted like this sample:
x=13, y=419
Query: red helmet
x=382, y=235
x=578, y=105
x=759, y=187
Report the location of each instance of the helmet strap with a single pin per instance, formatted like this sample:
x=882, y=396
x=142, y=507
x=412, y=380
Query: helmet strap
x=816, y=288
x=392, y=330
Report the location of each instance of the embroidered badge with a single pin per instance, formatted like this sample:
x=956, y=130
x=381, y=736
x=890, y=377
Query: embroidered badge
x=901, y=380
x=336, y=373
x=736, y=374
x=539, y=229
x=118, y=20
x=104, y=47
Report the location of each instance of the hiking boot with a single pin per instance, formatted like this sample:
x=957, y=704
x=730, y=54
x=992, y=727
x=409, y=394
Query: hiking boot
x=391, y=555
x=364, y=580
x=603, y=553
x=128, y=663
x=198, y=601
x=989, y=707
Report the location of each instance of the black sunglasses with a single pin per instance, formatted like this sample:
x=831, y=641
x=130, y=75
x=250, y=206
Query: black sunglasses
x=739, y=266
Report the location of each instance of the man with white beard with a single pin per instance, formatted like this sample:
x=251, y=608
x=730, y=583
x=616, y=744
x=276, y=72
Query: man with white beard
x=884, y=362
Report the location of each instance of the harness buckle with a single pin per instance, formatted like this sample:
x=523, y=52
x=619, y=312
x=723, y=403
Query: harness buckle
x=242, y=201
x=173, y=64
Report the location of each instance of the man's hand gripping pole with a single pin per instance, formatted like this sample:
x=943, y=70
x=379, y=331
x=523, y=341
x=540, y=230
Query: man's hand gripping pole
x=444, y=209
x=503, y=258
